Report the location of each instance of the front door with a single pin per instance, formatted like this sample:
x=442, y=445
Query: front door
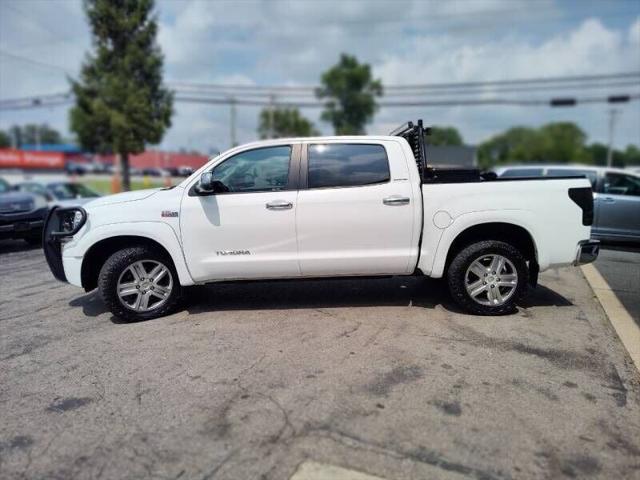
x=618, y=206
x=356, y=216
x=248, y=231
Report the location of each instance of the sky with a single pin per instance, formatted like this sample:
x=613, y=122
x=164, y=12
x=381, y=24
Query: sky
x=43, y=43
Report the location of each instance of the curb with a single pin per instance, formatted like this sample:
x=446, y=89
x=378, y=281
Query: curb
x=624, y=325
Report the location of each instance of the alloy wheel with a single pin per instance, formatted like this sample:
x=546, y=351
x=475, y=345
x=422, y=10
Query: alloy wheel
x=491, y=280
x=145, y=285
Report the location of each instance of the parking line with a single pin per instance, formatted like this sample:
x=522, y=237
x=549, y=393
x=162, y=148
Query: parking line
x=310, y=470
x=626, y=328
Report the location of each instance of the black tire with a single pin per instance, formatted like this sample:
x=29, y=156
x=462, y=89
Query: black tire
x=457, y=271
x=114, y=267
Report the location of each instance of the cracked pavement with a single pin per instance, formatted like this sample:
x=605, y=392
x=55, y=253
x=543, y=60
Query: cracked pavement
x=249, y=380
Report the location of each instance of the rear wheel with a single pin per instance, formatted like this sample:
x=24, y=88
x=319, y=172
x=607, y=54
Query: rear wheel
x=488, y=278
x=139, y=283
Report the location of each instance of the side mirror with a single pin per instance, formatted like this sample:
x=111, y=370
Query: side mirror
x=209, y=185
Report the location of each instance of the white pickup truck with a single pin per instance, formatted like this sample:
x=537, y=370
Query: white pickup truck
x=324, y=207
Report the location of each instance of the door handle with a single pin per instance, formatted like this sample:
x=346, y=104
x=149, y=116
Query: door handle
x=279, y=205
x=609, y=200
x=396, y=200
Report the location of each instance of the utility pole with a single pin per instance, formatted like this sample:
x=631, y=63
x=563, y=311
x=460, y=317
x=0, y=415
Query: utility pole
x=232, y=131
x=37, y=137
x=612, y=123
x=271, y=114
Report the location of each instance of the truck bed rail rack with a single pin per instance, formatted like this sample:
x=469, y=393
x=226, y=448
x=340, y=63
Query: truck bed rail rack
x=414, y=134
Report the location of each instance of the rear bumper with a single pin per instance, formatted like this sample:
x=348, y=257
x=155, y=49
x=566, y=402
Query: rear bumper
x=587, y=252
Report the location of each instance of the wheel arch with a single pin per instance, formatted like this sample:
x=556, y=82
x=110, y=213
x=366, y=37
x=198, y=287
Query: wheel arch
x=106, y=241
x=512, y=233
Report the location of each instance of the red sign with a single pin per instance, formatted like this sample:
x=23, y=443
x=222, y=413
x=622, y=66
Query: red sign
x=10, y=158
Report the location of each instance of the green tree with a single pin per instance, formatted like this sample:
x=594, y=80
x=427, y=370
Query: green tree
x=561, y=142
x=121, y=103
x=444, y=136
x=284, y=122
x=5, y=139
x=632, y=155
x=597, y=153
x=33, y=134
x=350, y=91
x=518, y=144
x=15, y=132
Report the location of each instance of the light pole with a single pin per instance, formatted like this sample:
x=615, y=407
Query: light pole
x=232, y=131
x=612, y=123
x=272, y=100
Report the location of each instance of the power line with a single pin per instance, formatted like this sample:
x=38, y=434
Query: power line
x=451, y=102
x=411, y=103
x=35, y=62
x=42, y=26
x=481, y=89
x=400, y=94
x=424, y=86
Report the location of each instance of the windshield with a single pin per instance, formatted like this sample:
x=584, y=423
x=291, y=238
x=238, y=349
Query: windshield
x=31, y=188
x=66, y=191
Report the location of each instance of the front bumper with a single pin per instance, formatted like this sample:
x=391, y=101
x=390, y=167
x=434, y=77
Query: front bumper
x=53, y=237
x=587, y=252
x=20, y=225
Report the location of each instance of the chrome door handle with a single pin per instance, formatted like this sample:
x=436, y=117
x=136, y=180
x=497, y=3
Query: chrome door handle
x=396, y=200
x=279, y=205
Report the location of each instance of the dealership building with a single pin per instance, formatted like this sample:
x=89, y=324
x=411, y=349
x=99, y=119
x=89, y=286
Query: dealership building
x=56, y=157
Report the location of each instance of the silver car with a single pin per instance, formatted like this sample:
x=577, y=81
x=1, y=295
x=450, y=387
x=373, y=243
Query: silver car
x=616, y=196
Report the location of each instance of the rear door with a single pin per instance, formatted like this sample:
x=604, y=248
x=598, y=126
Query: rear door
x=618, y=206
x=355, y=211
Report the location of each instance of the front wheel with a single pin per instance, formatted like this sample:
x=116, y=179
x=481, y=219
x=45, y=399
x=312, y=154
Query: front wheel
x=488, y=278
x=139, y=283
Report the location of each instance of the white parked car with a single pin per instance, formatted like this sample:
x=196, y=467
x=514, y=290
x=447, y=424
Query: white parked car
x=324, y=207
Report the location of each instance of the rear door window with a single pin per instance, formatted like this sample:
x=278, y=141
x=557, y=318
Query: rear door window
x=621, y=184
x=347, y=165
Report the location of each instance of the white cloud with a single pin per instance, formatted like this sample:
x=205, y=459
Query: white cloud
x=589, y=49
x=278, y=42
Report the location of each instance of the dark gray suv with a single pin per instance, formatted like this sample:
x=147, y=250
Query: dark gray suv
x=22, y=215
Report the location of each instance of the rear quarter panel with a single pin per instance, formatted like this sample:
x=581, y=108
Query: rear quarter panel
x=542, y=207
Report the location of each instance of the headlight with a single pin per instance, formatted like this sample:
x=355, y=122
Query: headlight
x=70, y=221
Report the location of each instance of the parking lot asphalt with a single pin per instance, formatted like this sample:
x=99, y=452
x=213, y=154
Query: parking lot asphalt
x=620, y=267
x=250, y=380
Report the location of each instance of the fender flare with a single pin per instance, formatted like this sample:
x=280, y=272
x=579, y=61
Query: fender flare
x=159, y=232
x=518, y=218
